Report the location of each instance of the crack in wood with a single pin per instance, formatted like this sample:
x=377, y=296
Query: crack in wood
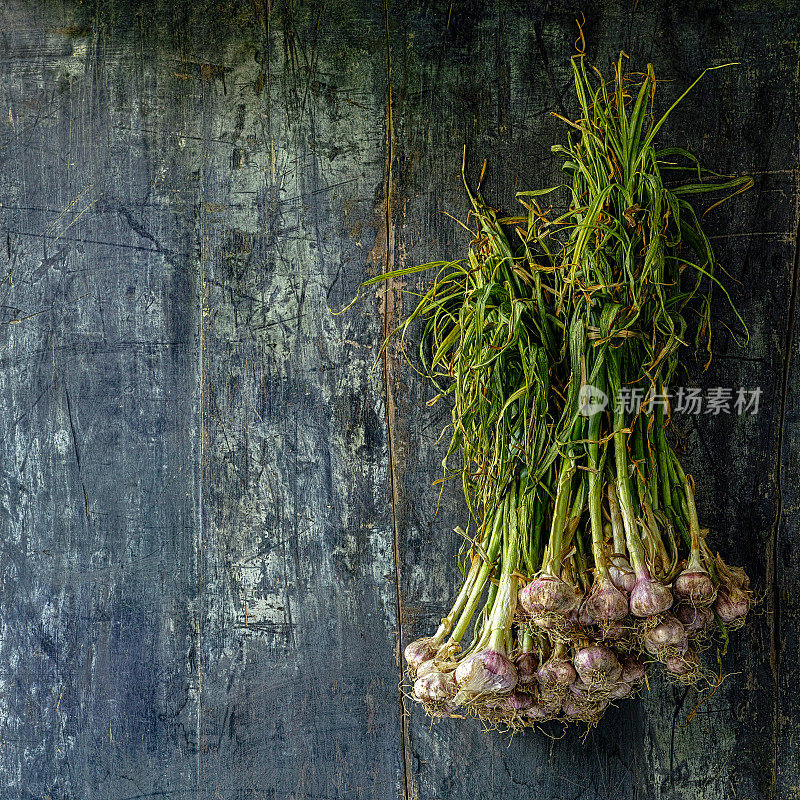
x=389, y=317
x=773, y=580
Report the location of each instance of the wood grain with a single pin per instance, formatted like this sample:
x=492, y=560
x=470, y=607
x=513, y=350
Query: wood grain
x=99, y=429
x=218, y=523
x=498, y=105
x=299, y=606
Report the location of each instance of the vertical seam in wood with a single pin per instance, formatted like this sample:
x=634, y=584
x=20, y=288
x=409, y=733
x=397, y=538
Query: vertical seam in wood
x=772, y=560
x=388, y=327
x=201, y=455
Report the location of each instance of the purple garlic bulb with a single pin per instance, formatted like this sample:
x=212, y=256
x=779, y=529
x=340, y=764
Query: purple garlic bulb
x=632, y=670
x=573, y=708
x=548, y=593
x=732, y=605
x=526, y=664
x=615, y=631
x=435, y=686
x=669, y=633
x=649, y=597
x=682, y=665
x=597, y=665
x=585, y=618
x=486, y=672
x=606, y=603
x=556, y=672
x=517, y=702
x=621, y=690
x=694, y=583
x=694, y=618
x=419, y=651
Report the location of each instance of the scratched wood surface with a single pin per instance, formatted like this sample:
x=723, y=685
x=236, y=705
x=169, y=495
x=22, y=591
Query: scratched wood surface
x=217, y=521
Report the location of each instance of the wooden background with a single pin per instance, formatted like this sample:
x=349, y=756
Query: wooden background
x=217, y=523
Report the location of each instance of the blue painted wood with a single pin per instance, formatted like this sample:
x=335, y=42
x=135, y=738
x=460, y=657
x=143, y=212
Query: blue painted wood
x=99, y=435
x=488, y=76
x=299, y=610
x=216, y=523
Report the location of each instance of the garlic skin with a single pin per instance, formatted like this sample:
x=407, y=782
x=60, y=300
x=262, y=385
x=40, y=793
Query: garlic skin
x=419, y=651
x=435, y=686
x=649, y=598
x=487, y=672
x=548, y=593
x=694, y=584
x=426, y=667
x=622, y=574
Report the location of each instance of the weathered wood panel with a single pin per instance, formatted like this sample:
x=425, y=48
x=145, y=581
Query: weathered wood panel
x=99, y=430
x=487, y=77
x=299, y=648
x=212, y=511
